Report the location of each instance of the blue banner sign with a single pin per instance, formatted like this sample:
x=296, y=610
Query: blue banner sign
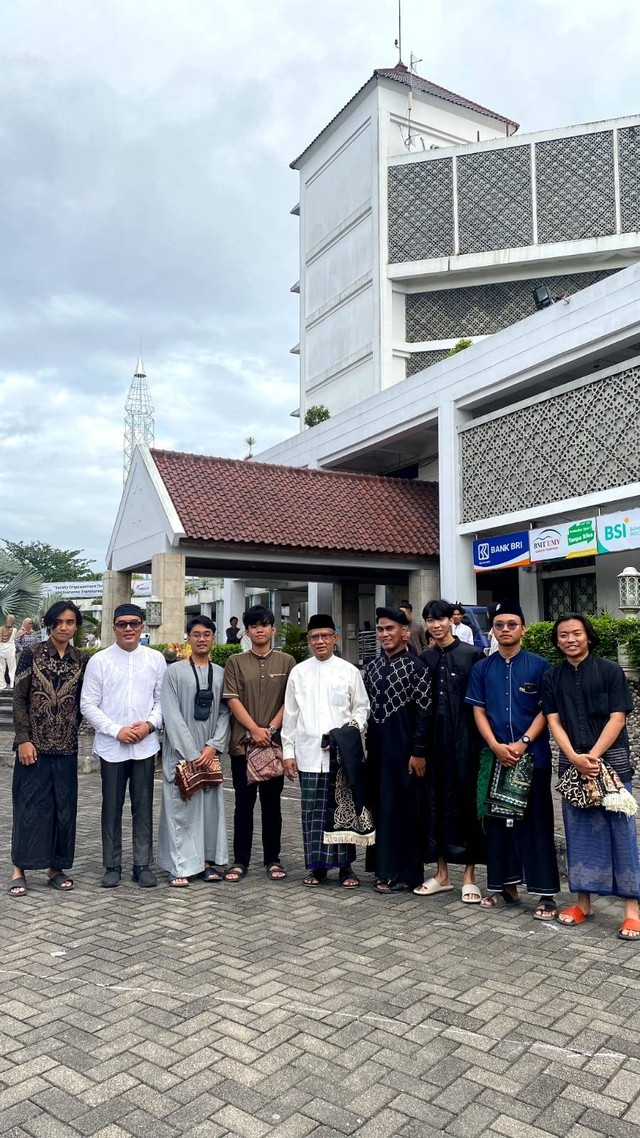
x=505, y=551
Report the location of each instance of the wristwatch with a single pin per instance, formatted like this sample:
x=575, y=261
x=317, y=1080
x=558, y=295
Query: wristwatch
x=526, y=740
x=272, y=730
x=151, y=726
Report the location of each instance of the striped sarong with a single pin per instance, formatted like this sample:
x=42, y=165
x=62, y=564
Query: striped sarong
x=602, y=851
x=314, y=790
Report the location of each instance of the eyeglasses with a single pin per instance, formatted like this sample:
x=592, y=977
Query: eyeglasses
x=499, y=625
x=320, y=636
x=122, y=624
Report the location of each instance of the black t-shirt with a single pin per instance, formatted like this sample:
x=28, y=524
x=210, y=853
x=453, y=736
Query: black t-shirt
x=584, y=697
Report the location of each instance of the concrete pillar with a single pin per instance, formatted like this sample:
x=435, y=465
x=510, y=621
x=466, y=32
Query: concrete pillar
x=381, y=597
x=457, y=579
x=233, y=603
x=349, y=621
x=116, y=590
x=424, y=585
x=167, y=582
x=321, y=598
x=528, y=590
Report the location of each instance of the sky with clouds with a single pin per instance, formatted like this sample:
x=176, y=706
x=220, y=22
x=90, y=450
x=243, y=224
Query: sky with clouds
x=145, y=192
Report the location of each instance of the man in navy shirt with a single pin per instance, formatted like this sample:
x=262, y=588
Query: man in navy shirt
x=505, y=691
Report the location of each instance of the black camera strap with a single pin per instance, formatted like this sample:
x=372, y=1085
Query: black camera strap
x=209, y=686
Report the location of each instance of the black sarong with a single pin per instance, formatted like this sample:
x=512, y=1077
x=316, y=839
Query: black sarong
x=45, y=803
x=525, y=851
x=348, y=819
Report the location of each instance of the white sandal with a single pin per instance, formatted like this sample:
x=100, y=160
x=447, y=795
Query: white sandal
x=471, y=895
x=431, y=887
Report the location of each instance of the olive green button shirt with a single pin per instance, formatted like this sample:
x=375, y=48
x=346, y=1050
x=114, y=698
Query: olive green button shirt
x=259, y=683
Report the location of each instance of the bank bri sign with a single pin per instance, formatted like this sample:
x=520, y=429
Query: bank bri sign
x=506, y=551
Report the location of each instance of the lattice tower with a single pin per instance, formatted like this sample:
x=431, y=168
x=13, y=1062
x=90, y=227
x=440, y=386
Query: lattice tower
x=138, y=419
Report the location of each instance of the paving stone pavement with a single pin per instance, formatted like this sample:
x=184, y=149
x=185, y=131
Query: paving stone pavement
x=268, y=1009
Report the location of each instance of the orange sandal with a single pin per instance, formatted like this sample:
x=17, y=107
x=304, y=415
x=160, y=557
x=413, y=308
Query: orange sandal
x=576, y=915
x=629, y=925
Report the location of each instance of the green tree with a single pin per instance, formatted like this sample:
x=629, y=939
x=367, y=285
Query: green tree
x=20, y=589
x=318, y=413
x=52, y=564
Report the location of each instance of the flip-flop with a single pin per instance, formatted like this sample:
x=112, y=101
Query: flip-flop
x=58, y=882
x=471, y=895
x=630, y=924
x=576, y=915
x=18, y=883
x=430, y=887
x=178, y=882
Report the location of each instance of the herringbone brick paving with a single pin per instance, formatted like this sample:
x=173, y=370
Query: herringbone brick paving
x=267, y=1009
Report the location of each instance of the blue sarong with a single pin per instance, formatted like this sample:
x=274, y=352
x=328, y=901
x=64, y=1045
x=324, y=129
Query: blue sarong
x=602, y=851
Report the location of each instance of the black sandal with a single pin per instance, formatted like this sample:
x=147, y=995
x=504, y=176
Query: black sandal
x=348, y=878
x=275, y=872
x=239, y=872
x=314, y=878
x=211, y=874
x=546, y=910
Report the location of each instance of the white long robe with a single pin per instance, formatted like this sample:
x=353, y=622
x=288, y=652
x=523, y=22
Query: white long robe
x=191, y=833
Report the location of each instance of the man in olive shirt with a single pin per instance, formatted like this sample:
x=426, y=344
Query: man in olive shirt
x=254, y=684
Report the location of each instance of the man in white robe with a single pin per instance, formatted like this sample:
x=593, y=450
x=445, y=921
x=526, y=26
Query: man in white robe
x=192, y=836
x=322, y=693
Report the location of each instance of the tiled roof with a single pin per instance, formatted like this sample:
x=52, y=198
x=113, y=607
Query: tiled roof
x=235, y=502
x=401, y=74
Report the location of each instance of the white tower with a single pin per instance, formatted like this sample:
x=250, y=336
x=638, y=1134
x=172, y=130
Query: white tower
x=138, y=419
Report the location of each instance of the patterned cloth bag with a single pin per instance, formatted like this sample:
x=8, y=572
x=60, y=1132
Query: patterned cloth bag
x=193, y=775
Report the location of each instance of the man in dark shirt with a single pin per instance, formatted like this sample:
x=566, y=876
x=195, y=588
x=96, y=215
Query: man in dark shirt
x=587, y=700
x=505, y=691
x=399, y=691
x=254, y=686
x=233, y=632
x=417, y=635
x=453, y=830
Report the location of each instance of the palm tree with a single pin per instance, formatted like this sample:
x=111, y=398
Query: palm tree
x=20, y=589
x=251, y=442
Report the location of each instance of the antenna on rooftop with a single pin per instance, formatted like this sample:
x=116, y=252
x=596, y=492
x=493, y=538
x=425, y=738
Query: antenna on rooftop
x=398, y=42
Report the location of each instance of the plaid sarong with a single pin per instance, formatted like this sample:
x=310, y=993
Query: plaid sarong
x=314, y=790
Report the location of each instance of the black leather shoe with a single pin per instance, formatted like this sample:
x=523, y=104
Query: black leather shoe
x=111, y=877
x=144, y=876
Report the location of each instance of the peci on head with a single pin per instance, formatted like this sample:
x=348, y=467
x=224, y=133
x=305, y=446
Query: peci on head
x=321, y=635
x=128, y=623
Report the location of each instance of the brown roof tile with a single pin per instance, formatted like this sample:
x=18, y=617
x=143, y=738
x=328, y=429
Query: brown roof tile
x=235, y=502
x=401, y=74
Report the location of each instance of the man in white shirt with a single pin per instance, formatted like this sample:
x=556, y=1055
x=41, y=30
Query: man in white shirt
x=121, y=700
x=323, y=692
x=459, y=628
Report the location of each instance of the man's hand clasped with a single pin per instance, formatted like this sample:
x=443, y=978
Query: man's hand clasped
x=588, y=765
x=134, y=733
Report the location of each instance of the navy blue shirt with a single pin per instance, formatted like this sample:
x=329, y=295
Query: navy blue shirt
x=510, y=691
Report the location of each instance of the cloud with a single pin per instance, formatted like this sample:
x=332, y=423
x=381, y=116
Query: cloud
x=145, y=191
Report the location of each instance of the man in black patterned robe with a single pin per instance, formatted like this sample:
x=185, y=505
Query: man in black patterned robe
x=399, y=690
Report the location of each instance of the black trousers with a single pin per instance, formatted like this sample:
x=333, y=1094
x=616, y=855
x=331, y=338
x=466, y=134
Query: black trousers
x=246, y=794
x=526, y=851
x=45, y=804
x=138, y=773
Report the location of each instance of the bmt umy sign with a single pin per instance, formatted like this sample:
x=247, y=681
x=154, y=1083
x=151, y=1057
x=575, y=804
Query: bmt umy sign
x=567, y=539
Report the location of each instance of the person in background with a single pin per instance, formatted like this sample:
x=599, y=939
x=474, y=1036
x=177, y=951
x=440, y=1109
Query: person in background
x=233, y=631
x=417, y=636
x=459, y=628
x=7, y=651
x=26, y=637
x=46, y=717
x=121, y=700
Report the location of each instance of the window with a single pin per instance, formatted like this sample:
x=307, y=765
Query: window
x=570, y=594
